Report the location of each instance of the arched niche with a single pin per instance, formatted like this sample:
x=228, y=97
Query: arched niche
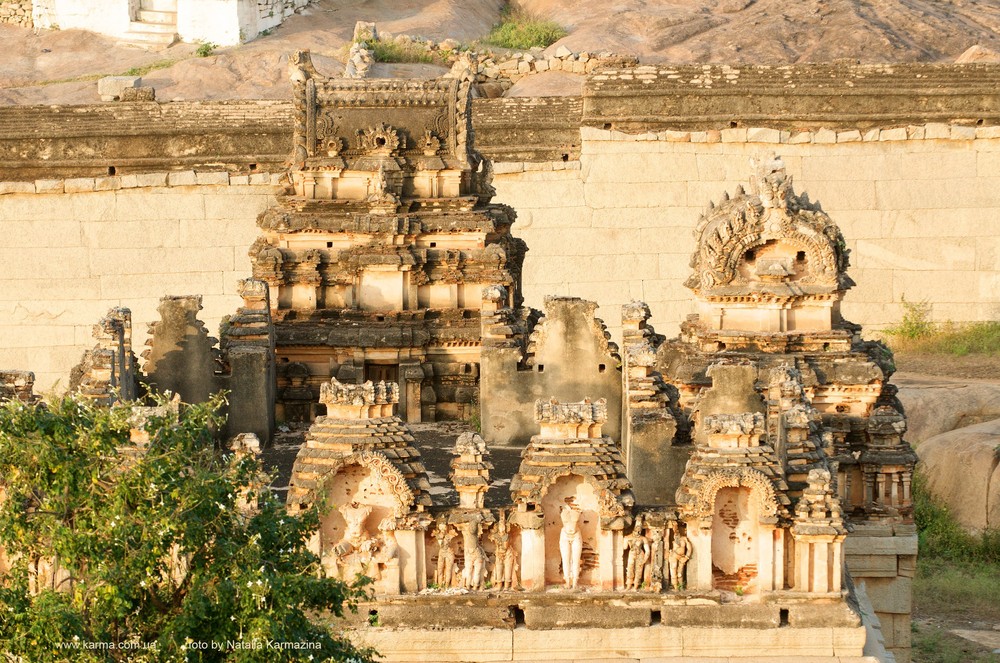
x=736, y=533
x=573, y=490
x=368, y=479
x=732, y=529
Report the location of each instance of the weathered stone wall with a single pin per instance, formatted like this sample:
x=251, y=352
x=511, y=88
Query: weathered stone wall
x=69, y=255
x=136, y=137
x=16, y=12
x=919, y=207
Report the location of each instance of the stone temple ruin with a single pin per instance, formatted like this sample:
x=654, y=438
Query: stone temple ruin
x=715, y=495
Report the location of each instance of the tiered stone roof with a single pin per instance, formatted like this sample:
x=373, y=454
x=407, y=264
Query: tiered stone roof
x=373, y=437
x=571, y=443
x=711, y=468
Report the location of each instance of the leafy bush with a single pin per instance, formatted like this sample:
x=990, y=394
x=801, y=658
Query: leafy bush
x=206, y=49
x=942, y=537
x=916, y=322
x=394, y=51
x=521, y=30
x=167, y=545
x=917, y=333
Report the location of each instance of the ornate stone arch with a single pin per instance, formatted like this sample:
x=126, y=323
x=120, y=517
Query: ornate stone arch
x=610, y=505
x=381, y=466
x=761, y=489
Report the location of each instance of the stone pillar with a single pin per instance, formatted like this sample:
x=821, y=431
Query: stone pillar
x=610, y=556
x=779, y=558
x=765, y=558
x=249, y=344
x=411, y=374
x=533, y=559
x=699, y=568
x=412, y=560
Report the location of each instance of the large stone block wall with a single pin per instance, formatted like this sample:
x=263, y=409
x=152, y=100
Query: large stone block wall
x=68, y=257
x=919, y=207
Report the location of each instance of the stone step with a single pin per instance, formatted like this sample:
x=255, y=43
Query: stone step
x=146, y=39
x=159, y=5
x=137, y=26
x=160, y=17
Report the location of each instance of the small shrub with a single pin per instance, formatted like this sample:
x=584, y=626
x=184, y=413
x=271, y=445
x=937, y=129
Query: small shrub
x=206, y=49
x=917, y=333
x=521, y=30
x=394, y=51
x=916, y=322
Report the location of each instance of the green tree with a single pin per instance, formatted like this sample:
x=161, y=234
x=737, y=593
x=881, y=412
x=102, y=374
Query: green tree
x=147, y=549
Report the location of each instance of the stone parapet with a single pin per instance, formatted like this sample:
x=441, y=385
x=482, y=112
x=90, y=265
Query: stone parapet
x=135, y=137
x=835, y=96
x=176, y=178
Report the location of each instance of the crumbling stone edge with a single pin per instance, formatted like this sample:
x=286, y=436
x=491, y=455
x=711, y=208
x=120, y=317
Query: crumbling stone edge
x=140, y=180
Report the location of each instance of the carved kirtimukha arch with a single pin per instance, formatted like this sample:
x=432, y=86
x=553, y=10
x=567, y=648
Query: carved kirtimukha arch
x=761, y=491
x=770, y=213
x=380, y=466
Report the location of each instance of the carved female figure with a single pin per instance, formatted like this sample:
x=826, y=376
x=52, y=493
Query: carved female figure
x=677, y=558
x=446, y=556
x=637, y=551
x=504, y=562
x=570, y=545
x=474, y=571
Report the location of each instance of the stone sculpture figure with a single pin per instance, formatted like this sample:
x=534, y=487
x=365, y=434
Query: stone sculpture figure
x=637, y=551
x=657, y=550
x=445, y=573
x=505, y=557
x=355, y=516
x=570, y=545
x=474, y=571
x=677, y=558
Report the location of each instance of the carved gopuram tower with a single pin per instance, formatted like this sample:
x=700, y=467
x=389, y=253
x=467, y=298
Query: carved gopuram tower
x=377, y=256
x=795, y=435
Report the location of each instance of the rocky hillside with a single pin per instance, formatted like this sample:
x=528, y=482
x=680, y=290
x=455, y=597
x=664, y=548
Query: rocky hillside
x=60, y=67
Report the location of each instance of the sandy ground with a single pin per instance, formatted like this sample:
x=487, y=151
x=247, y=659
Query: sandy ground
x=50, y=67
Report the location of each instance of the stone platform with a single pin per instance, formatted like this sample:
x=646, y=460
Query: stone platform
x=564, y=626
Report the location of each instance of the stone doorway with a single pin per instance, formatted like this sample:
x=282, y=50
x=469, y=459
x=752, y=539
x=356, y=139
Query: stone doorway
x=381, y=372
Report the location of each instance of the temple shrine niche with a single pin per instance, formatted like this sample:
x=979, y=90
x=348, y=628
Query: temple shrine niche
x=361, y=460
x=572, y=499
x=378, y=253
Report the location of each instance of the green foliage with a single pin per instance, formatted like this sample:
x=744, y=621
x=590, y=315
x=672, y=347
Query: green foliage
x=941, y=537
x=521, y=30
x=145, y=69
x=394, y=51
x=934, y=644
x=156, y=554
x=917, y=333
x=916, y=322
x=206, y=49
